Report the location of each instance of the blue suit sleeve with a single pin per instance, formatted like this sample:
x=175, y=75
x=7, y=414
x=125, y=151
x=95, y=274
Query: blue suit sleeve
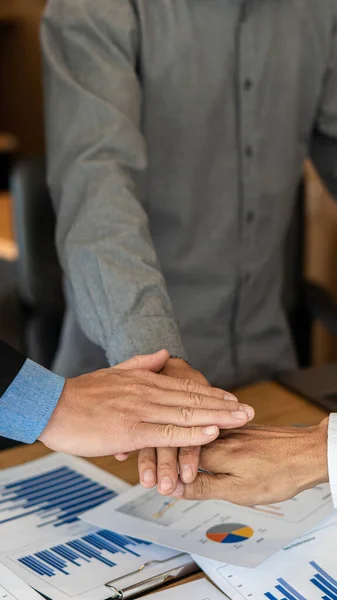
x=29, y=402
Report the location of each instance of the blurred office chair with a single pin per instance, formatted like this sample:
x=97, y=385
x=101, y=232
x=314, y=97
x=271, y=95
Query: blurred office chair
x=35, y=303
x=39, y=276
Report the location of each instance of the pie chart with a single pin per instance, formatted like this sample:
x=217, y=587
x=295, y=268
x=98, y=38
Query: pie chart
x=230, y=533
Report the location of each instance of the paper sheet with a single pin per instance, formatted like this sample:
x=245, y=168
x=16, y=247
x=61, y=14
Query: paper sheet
x=304, y=570
x=197, y=590
x=43, y=540
x=13, y=588
x=214, y=529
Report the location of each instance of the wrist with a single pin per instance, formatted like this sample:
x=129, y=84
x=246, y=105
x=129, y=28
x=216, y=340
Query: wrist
x=55, y=424
x=312, y=457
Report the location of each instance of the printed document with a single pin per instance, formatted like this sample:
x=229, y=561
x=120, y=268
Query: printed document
x=13, y=588
x=304, y=570
x=214, y=529
x=43, y=540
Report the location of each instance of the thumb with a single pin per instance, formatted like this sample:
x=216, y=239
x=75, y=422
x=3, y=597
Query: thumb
x=152, y=362
x=206, y=487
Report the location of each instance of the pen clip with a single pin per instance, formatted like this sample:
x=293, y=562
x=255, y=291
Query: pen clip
x=150, y=563
x=118, y=593
x=145, y=586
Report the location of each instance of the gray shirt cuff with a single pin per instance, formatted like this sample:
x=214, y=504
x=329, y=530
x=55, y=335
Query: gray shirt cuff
x=145, y=335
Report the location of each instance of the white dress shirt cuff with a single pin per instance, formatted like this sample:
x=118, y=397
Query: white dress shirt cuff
x=332, y=456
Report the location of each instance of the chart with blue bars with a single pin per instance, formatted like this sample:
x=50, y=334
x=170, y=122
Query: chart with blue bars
x=84, y=561
x=78, y=552
x=322, y=585
x=56, y=497
x=44, y=540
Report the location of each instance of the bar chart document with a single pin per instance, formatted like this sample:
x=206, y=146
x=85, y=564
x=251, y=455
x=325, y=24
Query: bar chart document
x=13, y=588
x=304, y=570
x=214, y=529
x=197, y=590
x=43, y=540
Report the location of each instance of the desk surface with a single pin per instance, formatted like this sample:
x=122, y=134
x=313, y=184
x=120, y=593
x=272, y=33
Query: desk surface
x=273, y=405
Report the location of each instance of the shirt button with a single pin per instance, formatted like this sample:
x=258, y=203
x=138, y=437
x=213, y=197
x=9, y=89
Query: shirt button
x=250, y=216
x=248, y=84
x=249, y=151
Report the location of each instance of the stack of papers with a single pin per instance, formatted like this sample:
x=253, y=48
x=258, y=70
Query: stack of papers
x=214, y=529
x=43, y=540
x=257, y=553
x=274, y=556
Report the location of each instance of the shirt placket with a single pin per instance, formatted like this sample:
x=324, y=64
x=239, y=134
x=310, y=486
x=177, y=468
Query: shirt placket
x=246, y=86
x=247, y=142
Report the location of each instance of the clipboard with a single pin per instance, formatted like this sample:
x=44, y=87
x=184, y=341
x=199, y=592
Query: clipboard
x=169, y=570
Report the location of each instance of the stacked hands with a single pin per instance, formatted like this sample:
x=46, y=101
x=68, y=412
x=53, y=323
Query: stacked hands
x=169, y=412
x=245, y=465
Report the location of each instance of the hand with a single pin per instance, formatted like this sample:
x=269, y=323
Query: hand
x=261, y=465
x=161, y=466
x=118, y=410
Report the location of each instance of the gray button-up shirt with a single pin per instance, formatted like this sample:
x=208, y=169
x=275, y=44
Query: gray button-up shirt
x=177, y=131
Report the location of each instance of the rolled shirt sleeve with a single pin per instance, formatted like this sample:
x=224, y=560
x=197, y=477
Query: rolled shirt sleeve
x=28, y=396
x=332, y=456
x=97, y=177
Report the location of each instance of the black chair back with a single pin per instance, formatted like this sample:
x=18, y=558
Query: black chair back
x=295, y=285
x=39, y=274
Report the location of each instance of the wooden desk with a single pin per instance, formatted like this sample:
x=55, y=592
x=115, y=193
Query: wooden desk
x=273, y=404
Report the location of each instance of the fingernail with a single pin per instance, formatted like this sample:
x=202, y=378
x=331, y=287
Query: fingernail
x=211, y=430
x=187, y=473
x=240, y=415
x=149, y=477
x=179, y=491
x=166, y=484
x=248, y=410
x=230, y=397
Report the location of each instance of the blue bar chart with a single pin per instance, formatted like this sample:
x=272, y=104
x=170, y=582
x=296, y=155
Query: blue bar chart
x=82, y=562
x=320, y=581
x=44, y=540
x=324, y=582
x=103, y=546
x=55, y=498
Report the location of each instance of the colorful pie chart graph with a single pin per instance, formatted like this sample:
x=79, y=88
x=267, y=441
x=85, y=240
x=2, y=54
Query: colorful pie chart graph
x=230, y=533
